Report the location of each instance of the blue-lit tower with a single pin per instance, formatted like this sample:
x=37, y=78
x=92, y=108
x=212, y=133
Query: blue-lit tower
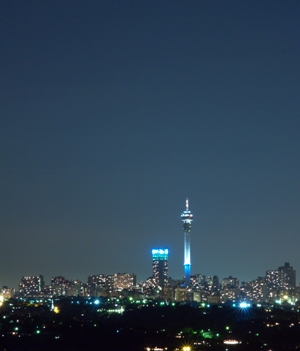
x=187, y=219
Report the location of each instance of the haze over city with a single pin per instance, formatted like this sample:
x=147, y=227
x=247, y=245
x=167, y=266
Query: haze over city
x=114, y=112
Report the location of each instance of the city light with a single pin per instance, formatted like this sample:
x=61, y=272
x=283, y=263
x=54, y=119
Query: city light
x=244, y=304
x=232, y=342
x=160, y=251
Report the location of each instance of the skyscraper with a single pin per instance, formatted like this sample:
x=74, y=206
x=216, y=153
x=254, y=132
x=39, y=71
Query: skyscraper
x=287, y=276
x=160, y=266
x=187, y=219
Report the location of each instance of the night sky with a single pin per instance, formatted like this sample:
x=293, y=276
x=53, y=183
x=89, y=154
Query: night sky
x=114, y=112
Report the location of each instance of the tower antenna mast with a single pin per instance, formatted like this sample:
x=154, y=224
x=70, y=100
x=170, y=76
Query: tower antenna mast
x=187, y=219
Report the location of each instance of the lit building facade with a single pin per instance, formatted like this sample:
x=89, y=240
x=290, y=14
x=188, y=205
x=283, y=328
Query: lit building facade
x=287, y=276
x=75, y=288
x=187, y=219
x=213, y=284
x=230, y=282
x=31, y=286
x=281, y=281
x=124, y=281
x=160, y=267
x=59, y=285
x=105, y=284
x=198, y=281
x=258, y=289
x=97, y=282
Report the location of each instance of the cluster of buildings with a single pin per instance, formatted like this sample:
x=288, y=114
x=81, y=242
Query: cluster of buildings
x=276, y=286
x=96, y=285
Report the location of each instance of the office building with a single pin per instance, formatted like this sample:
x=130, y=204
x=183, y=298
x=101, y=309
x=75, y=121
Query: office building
x=160, y=266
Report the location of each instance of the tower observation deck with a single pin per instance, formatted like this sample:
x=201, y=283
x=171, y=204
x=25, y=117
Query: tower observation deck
x=187, y=219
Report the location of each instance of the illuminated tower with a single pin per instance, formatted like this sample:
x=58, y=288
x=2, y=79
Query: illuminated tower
x=160, y=266
x=187, y=219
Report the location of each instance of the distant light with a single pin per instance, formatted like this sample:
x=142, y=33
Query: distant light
x=96, y=302
x=244, y=305
x=160, y=251
x=231, y=342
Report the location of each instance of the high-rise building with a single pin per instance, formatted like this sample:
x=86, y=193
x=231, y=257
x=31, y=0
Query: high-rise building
x=98, y=281
x=287, y=276
x=59, y=285
x=160, y=266
x=283, y=278
x=255, y=290
x=97, y=284
x=272, y=283
x=75, y=288
x=187, y=219
x=31, y=286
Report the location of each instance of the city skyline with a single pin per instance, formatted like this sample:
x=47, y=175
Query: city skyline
x=277, y=286
x=160, y=272
x=114, y=112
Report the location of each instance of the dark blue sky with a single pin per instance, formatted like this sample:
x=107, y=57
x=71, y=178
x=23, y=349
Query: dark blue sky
x=113, y=112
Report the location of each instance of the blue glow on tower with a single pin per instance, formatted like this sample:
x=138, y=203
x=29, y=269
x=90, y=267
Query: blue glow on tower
x=187, y=219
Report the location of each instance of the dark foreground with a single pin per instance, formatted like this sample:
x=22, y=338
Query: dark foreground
x=82, y=326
